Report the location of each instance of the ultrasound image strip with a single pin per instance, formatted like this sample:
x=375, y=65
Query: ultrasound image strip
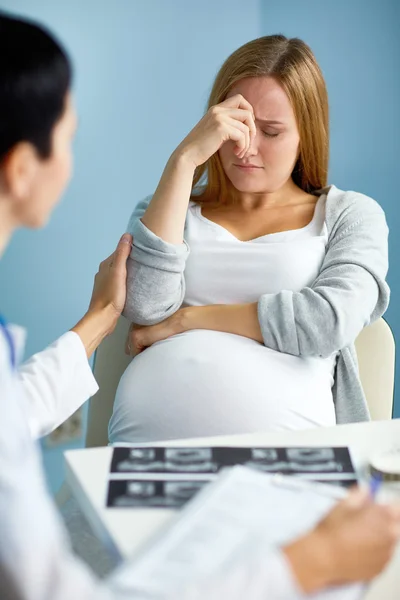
x=173, y=494
x=210, y=460
x=151, y=493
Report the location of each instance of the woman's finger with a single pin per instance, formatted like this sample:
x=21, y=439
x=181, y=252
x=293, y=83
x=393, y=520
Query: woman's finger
x=239, y=133
x=237, y=101
x=244, y=116
x=247, y=134
x=128, y=341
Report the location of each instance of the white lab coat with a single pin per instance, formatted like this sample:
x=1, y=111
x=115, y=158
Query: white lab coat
x=35, y=558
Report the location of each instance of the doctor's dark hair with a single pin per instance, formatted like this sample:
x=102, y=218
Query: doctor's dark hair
x=35, y=77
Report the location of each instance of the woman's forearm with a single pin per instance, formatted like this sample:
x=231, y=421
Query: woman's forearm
x=241, y=319
x=166, y=213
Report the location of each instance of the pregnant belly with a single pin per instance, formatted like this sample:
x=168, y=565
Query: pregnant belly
x=204, y=383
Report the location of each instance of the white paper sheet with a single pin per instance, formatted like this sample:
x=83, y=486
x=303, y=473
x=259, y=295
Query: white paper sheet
x=226, y=523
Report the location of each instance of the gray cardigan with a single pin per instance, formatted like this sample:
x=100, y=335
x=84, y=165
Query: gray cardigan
x=349, y=293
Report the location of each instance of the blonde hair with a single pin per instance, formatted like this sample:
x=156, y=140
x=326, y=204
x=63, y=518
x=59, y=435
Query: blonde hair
x=292, y=63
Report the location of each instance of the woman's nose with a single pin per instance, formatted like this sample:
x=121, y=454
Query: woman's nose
x=253, y=148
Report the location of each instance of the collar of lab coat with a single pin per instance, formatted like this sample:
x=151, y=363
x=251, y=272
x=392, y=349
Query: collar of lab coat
x=18, y=335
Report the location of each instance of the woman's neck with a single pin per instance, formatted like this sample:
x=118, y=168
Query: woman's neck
x=290, y=193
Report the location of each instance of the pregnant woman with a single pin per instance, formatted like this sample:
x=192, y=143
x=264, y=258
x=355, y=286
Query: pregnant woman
x=249, y=278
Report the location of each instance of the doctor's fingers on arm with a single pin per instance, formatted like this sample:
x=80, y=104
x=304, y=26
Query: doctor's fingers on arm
x=117, y=260
x=109, y=290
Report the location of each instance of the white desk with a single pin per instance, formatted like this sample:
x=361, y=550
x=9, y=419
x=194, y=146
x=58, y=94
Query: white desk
x=125, y=531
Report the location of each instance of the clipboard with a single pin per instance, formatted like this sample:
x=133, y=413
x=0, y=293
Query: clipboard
x=243, y=512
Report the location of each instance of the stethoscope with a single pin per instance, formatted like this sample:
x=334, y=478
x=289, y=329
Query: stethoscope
x=7, y=334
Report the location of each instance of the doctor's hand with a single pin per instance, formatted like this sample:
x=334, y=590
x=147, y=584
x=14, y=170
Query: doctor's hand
x=353, y=543
x=108, y=297
x=109, y=290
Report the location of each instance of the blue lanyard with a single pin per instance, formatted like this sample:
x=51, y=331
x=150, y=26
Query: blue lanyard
x=10, y=341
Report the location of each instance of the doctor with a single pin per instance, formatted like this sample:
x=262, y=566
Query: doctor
x=37, y=124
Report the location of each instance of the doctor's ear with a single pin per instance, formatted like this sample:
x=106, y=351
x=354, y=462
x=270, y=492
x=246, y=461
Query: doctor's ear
x=19, y=169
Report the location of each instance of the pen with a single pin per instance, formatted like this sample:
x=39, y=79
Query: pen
x=374, y=485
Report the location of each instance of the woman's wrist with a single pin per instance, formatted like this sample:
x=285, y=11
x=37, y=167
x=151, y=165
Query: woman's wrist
x=192, y=317
x=183, y=156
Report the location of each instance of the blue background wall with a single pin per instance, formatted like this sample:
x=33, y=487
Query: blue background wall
x=143, y=72
x=357, y=43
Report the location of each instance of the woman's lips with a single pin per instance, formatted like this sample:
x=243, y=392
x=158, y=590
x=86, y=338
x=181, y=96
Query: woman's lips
x=248, y=168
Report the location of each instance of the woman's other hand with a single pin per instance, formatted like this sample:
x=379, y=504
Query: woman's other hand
x=232, y=119
x=139, y=338
x=353, y=543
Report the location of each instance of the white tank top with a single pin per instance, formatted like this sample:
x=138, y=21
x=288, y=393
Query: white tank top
x=203, y=383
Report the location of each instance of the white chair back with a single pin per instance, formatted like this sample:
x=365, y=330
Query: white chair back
x=110, y=362
x=375, y=347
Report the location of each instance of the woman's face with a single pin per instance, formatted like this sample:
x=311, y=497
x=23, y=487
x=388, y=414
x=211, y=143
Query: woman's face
x=46, y=179
x=274, y=151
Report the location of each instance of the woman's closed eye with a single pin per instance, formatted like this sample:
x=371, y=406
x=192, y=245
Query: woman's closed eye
x=271, y=134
